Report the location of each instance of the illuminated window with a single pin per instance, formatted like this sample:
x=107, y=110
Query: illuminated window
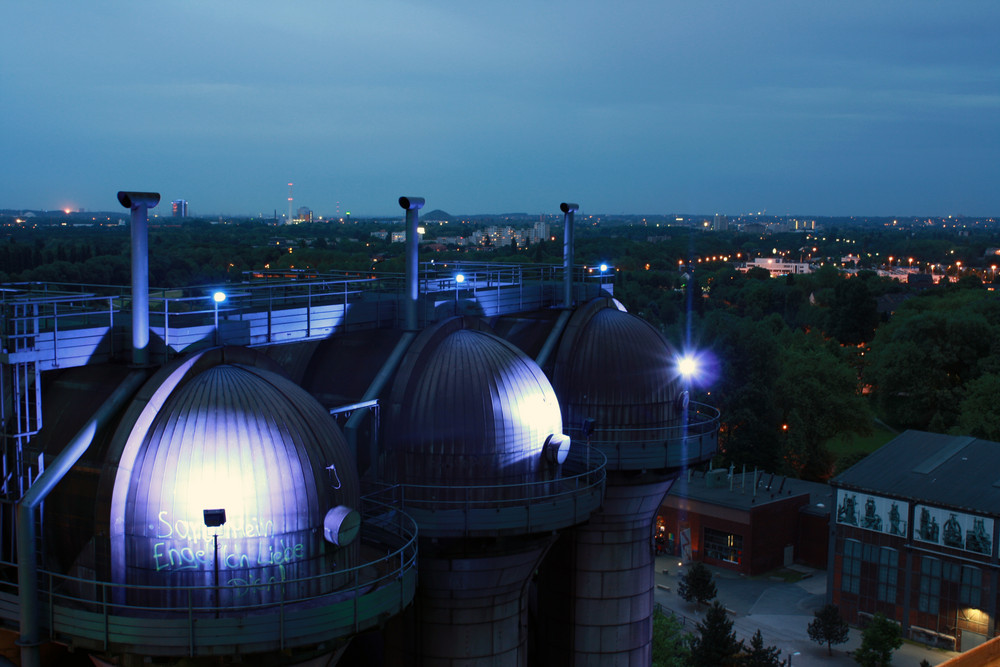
x=888, y=562
x=723, y=546
x=930, y=585
x=850, y=580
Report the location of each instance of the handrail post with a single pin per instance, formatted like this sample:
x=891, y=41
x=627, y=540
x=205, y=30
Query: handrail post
x=190, y=625
x=55, y=333
x=104, y=610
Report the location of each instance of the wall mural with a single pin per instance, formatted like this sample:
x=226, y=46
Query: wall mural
x=953, y=529
x=882, y=515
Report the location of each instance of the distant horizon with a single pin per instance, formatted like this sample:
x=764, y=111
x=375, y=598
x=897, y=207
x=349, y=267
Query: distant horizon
x=157, y=212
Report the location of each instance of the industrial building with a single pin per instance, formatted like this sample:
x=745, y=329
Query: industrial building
x=748, y=521
x=914, y=536
x=241, y=474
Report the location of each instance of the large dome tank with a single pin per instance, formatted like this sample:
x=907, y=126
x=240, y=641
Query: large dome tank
x=469, y=408
x=226, y=474
x=618, y=370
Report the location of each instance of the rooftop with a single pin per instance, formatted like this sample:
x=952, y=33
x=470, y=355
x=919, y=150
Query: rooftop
x=932, y=468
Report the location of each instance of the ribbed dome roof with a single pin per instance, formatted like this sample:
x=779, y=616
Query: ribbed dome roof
x=245, y=440
x=468, y=408
x=615, y=368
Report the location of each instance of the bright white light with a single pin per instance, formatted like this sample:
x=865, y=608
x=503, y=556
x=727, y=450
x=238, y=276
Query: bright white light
x=219, y=297
x=604, y=267
x=460, y=278
x=687, y=366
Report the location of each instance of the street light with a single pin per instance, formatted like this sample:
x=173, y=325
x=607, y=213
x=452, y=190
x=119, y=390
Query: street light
x=791, y=655
x=459, y=279
x=217, y=298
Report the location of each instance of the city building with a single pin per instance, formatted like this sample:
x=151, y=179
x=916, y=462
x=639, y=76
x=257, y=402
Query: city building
x=914, y=536
x=179, y=208
x=777, y=266
x=747, y=521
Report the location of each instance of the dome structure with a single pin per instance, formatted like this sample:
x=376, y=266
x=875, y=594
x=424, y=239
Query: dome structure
x=617, y=369
x=225, y=478
x=469, y=408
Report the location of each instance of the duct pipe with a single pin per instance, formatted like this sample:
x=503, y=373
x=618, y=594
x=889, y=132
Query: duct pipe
x=27, y=565
x=411, y=205
x=550, y=342
x=374, y=390
x=139, y=203
x=568, y=210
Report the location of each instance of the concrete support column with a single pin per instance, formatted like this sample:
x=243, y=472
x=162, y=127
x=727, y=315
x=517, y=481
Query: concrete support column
x=595, y=586
x=469, y=611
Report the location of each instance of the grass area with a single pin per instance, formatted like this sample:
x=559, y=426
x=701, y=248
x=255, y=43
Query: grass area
x=850, y=444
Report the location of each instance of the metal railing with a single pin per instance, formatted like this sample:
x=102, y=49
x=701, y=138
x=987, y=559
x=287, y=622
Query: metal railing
x=84, y=612
x=691, y=440
x=38, y=317
x=550, y=502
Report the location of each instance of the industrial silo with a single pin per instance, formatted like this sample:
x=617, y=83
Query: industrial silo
x=475, y=452
x=221, y=516
x=618, y=384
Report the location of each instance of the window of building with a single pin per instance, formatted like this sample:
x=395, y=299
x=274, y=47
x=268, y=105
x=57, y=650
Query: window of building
x=930, y=585
x=970, y=594
x=888, y=563
x=850, y=581
x=723, y=546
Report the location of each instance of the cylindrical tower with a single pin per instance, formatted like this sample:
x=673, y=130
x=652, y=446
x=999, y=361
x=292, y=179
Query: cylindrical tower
x=222, y=516
x=617, y=382
x=474, y=444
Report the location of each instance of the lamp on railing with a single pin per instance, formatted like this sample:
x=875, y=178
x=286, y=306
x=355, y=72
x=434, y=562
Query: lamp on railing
x=217, y=298
x=214, y=519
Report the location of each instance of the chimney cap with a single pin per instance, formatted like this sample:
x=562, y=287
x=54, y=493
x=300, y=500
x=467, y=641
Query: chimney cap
x=410, y=203
x=130, y=199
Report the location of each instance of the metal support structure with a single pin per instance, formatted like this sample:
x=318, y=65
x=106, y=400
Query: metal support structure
x=139, y=204
x=27, y=565
x=568, y=211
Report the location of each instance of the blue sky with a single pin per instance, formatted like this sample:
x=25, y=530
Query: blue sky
x=638, y=106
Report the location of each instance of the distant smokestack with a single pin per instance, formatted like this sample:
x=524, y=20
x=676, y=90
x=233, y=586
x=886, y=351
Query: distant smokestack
x=139, y=203
x=411, y=205
x=568, y=210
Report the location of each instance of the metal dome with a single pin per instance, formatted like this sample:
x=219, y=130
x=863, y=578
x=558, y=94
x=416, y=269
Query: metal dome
x=617, y=369
x=244, y=440
x=468, y=408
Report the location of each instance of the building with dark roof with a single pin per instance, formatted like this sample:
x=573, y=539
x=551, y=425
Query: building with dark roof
x=914, y=536
x=749, y=522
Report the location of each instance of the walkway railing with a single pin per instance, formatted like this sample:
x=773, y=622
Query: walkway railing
x=64, y=324
x=686, y=443
x=558, y=501
x=86, y=613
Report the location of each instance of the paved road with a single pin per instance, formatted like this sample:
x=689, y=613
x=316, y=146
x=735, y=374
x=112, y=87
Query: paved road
x=781, y=611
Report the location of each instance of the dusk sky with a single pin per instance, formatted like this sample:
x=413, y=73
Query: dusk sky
x=856, y=107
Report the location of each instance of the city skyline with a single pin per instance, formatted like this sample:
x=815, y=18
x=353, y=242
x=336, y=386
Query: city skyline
x=848, y=109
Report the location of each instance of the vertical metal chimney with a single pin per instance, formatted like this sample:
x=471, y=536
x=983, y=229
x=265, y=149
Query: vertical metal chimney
x=568, y=210
x=139, y=203
x=411, y=205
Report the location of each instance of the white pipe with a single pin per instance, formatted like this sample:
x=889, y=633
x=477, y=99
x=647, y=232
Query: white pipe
x=139, y=203
x=412, y=205
x=568, y=210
